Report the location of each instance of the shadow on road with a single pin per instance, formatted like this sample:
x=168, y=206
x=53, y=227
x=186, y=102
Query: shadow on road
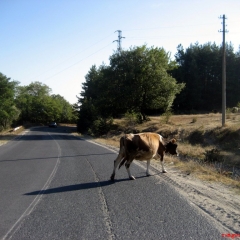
x=61, y=132
x=59, y=129
x=81, y=186
x=77, y=187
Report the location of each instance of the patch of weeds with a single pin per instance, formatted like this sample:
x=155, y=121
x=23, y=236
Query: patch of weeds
x=194, y=120
x=133, y=118
x=197, y=136
x=166, y=116
x=228, y=113
x=213, y=156
x=228, y=138
x=100, y=126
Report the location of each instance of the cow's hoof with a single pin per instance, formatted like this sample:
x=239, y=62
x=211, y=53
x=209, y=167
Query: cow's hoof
x=132, y=178
x=112, y=178
x=164, y=171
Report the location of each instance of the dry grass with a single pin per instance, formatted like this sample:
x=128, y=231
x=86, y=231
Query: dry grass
x=207, y=173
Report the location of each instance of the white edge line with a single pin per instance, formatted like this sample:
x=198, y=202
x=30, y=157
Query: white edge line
x=36, y=200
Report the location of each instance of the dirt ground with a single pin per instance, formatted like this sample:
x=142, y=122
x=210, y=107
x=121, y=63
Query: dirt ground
x=218, y=201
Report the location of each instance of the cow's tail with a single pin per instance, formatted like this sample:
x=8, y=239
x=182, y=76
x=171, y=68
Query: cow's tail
x=122, y=149
x=122, y=162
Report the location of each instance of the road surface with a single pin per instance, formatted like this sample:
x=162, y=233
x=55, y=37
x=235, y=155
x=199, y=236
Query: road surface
x=56, y=186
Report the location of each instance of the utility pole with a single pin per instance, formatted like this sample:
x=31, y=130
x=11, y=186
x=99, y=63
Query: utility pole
x=223, y=72
x=119, y=48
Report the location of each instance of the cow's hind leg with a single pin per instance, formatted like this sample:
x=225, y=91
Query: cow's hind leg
x=116, y=163
x=162, y=163
x=127, y=165
x=148, y=164
x=163, y=169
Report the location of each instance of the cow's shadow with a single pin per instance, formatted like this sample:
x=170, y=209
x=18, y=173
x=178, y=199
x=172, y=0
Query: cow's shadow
x=77, y=187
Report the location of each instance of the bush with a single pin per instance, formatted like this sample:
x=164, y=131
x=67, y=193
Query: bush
x=197, y=136
x=166, y=116
x=133, y=118
x=194, y=120
x=234, y=109
x=228, y=113
x=212, y=156
x=101, y=126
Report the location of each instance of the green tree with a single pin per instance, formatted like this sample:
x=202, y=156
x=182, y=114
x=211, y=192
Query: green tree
x=39, y=106
x=232, y=76
x=87, y=115
x=200, y=67
x=137, y=80
x=31, y=100
x=141, y=77
x=66, y=112
x=8, y=111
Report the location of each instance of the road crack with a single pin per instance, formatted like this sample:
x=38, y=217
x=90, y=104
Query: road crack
x=104, y=206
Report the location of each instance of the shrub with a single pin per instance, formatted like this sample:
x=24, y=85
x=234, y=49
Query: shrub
x=166, y=116
x=212, y=156
x=197, y=136
x=228, y=113
x=234, y=109
x=133, y=118
x=229, y=138
x=101, y=126
x=194, y=120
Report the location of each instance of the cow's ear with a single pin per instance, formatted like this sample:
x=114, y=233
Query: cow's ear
x=173, y=140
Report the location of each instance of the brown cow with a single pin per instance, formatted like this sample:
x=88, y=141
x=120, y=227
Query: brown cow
x=143, y=146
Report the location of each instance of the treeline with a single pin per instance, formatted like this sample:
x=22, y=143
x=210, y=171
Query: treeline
x=200, y=68
x=31, y=104
x=145, y=80
x=137, y=80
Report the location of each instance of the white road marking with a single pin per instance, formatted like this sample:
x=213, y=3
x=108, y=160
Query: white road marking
x=36, y=200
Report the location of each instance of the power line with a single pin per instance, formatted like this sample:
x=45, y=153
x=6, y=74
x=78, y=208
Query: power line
x=44, y=72
x=77, y=62
x=172, y=36
x=175, y=26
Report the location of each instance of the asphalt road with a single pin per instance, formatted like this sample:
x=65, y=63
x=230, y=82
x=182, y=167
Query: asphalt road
x=56, y=186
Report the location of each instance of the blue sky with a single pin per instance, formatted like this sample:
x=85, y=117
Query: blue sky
x=57, y=41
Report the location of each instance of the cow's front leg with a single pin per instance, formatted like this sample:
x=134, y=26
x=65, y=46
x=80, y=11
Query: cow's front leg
x=127, y=165
x=162, y=163
x=148, y=164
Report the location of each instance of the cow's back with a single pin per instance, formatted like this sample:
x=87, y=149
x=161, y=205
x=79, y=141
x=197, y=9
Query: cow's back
x=151, y=139
x=142, y=146
x=133, y=143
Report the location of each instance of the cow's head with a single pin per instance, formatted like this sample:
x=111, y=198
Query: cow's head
x=171, y=147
